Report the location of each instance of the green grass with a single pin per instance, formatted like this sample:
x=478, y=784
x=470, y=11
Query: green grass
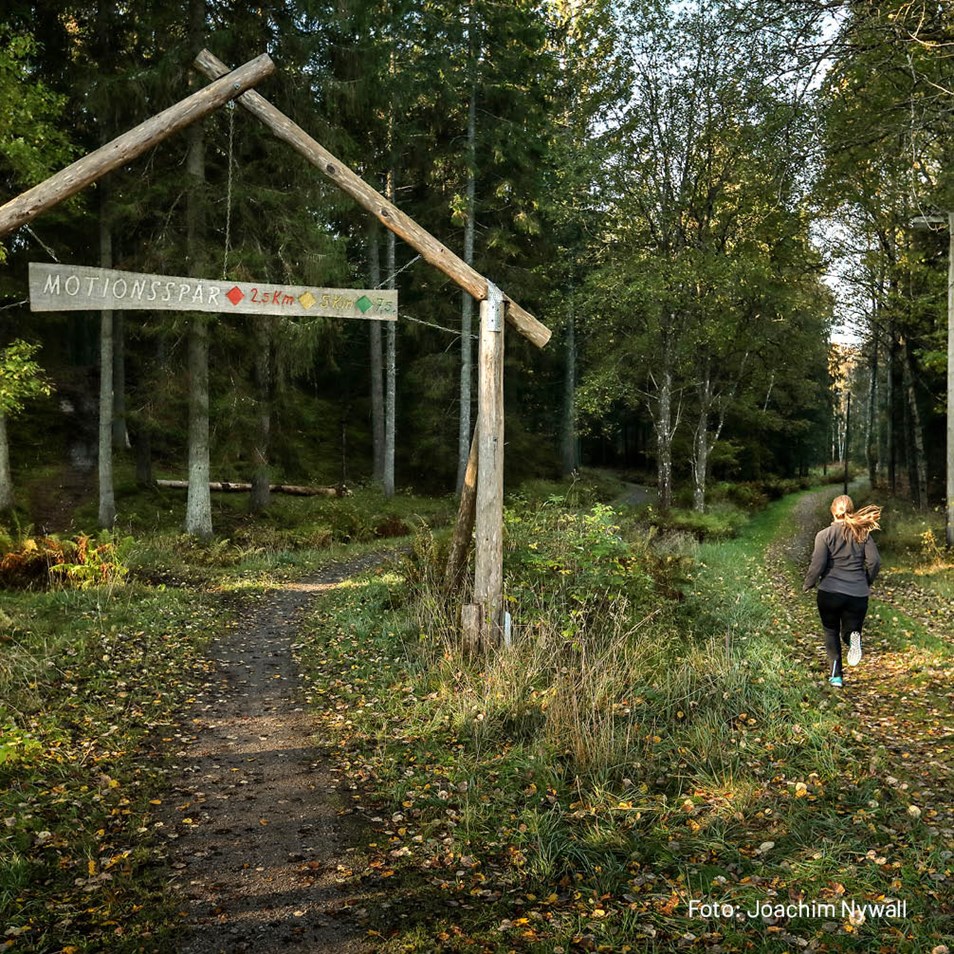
x=646, y=742
x=91, y=682
x=630, y=753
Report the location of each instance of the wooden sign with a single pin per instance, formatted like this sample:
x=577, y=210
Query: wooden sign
x=83, y=288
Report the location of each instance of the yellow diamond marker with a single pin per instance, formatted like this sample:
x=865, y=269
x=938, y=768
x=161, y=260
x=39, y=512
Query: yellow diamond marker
x=307, y=299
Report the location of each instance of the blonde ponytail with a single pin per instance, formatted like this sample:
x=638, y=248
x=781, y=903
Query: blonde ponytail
x=857, y=524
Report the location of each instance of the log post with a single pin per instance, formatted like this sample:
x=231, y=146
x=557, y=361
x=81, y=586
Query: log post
x=466, y=514
x=488, y=570
x=390, y=216
x=28, y=205
x=470, y=619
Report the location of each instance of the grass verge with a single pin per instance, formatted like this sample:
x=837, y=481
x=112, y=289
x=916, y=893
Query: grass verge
x=91, y=681
x=645, y=769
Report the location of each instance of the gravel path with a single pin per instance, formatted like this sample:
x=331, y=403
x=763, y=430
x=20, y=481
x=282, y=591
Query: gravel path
x=257, y=834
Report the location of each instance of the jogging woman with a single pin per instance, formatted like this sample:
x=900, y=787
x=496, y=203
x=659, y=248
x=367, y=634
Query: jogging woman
x=845, y=562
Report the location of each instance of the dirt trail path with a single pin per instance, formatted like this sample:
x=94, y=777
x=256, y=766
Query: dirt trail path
x=260, y=849
x=635, y=495
x=897, y=700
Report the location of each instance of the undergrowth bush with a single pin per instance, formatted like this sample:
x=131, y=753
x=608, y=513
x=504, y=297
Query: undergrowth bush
x=577, y=561
x=719, y=522
x=605, y=661
x=79, y=562
x=586, y=489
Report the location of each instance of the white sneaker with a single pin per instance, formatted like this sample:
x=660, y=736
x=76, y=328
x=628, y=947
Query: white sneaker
x=854, y=652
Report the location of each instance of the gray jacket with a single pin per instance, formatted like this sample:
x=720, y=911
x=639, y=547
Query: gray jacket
x=840, y=565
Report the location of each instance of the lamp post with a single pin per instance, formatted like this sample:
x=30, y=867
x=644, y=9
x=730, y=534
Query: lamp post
x=926, y=221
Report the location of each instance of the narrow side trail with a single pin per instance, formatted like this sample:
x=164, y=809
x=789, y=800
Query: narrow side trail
x=257, y=837
x=898, y=700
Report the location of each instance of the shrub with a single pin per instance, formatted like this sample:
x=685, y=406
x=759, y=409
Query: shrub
x=748, y=496
x=718, y=523
x=80, y=562
x=577, y=559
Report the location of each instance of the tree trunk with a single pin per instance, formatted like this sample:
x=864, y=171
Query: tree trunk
x=571, y=456
x=665, y=429
x=700, y=462
x=261, y=478
x=918, y=459
x=377, y=367
x=467, y=301
x=390, y=391
x=198, y=519
x=891, y=451
x=871, y=441
x=120, y=433
x=701, y=446
x=107, y=500
x=466, y=516
x=6, y=480
x=143, y=444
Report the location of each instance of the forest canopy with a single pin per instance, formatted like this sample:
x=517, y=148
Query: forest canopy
x=693, y=196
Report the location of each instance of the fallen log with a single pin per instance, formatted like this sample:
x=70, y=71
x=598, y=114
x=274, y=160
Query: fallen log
x=228, y=486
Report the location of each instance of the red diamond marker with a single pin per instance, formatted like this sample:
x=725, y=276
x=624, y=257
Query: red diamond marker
x=235, y=294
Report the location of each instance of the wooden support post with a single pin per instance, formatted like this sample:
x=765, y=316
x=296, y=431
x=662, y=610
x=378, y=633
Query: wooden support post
x=470, y=619
x=28, y=205
x=430, y=249
x=488, y=570
x=466, y=514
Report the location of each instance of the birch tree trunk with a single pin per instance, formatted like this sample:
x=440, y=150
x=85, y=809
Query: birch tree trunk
x=198, y=520
x=665, y=430
x=702, y=444
x=377, y=366
x=918, y=462
x=713, y=403
x=6, y=479
x=700, y=462
x=390, y=385
x=949, y=456
x=107, y=499
x=661, y=412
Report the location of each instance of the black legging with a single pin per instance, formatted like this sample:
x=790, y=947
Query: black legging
x=841, y=615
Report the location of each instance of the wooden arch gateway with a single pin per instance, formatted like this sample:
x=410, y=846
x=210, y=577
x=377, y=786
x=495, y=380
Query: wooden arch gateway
x=480, y=514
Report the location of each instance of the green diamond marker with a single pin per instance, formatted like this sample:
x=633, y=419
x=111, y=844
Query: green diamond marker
x=364, y=303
